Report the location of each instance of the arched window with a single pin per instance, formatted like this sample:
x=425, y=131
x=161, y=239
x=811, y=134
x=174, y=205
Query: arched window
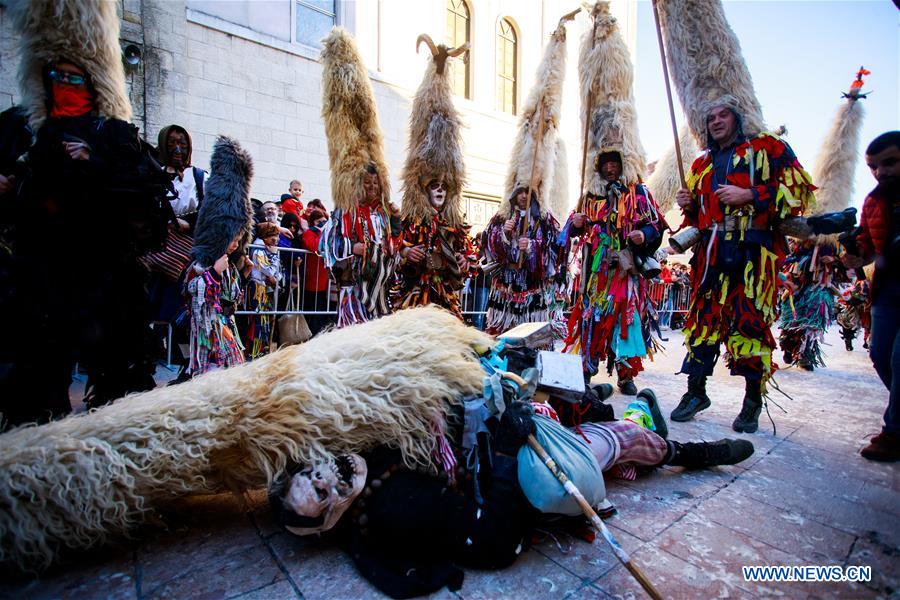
x=507, y=63
x=459, y=28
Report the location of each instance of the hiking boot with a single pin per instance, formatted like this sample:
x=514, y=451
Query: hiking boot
x=747, y=420
x=627, y=387
x=693, y=401
x=696, y=455
x=602, y=390
x=647, y=395
x=884, y=447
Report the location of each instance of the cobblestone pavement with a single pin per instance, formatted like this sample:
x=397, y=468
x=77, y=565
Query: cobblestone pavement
x=805, y=498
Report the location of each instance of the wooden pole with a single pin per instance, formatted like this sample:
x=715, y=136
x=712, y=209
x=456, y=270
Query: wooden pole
x=587, y=128
x=595, y=519
x=523, y=228
x=665, y=66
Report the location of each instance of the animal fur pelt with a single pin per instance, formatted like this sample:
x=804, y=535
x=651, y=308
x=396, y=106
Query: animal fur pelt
x=435, y=140
x=664, y=182
x=352, y=131
x=226, y=210
x=547, y=92
x=559, y=200
x=607, y=75
x=707, y=65
x=74, y=482
x=836, y=163
x=86, y=33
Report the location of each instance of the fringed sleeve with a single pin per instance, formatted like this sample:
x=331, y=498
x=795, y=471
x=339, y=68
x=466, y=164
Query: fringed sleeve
x=780, y=185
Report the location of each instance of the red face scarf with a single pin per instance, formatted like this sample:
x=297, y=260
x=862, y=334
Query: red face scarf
x=71, y=100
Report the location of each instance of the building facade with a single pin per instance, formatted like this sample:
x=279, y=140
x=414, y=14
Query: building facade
x=250, y=69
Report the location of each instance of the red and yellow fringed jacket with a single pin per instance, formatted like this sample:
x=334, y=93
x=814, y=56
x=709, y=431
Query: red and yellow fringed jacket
x=438, y=278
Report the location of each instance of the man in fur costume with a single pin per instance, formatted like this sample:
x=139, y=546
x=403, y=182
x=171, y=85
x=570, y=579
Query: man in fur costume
x=436, y=250
x=737, y=191
x=91, y=188
x=618, y=224
x=812, y=269
x=811, y=272
x=525, y=260
x=740, y=188
x=359, y=242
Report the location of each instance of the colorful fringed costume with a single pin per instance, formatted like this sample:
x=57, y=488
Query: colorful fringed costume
x=360, y=186
x=525, y=285
x=609, y=320
x=434, y=228
x=853, y=311
x=261, y=298
x=437, y=279
x=735, y=267
x=215, y=343
x=365, y=280
x=807, y=308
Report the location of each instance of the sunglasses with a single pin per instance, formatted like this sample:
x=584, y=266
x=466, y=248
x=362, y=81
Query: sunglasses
x=69, y=78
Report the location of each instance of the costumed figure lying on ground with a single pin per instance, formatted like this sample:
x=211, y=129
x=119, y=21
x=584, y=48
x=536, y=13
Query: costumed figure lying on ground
x=436, y=250
x=409, y=530
x=214, y=281
x=617, y=226
x=853, y=312
x=92, y=189
x=523, y=256
x=811, y=273
x=359, y=242
x=812, y=270
x=266, y=274
x=75, y=482
x=744, y=183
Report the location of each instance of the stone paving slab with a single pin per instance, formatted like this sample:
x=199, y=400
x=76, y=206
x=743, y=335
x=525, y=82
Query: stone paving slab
x=806, y=497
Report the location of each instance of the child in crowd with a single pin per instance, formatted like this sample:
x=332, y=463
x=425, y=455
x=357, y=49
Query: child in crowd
x=265, y=276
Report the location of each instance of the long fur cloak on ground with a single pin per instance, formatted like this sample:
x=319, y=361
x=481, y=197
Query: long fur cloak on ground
x=836, y=163
x=607, y=76
x=391, y=381
x=226, y=210
x=547, y=92
x=351, y=121
x=435, y=144
x=706, y=64
x=86, y=33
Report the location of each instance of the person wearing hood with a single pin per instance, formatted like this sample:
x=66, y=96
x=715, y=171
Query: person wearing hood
x=91, y=186
x=737, y=191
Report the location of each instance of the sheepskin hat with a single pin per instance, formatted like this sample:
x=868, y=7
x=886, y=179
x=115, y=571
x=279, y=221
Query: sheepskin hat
x=434, y=150
x=545, y=169
x=226, y=210
x=607, y=78
x=354, y=137
x=83, y=32
x=707, y=65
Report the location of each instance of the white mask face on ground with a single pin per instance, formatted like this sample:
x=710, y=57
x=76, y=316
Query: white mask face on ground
x=325, y=490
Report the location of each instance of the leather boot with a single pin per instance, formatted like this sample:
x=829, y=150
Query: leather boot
x=747, y=420
x=696, y=455
x=693, y=401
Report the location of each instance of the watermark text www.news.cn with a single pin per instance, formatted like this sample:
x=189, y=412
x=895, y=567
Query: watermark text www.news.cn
x=807, y=573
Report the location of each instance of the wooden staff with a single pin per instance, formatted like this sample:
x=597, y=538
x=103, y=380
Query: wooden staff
x=531, y=185
x=665, y=66
x=586, y=508
x=587, y=127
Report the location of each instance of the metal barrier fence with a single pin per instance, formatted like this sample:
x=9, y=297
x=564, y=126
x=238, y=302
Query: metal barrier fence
x=672, y=301
x=289, y=297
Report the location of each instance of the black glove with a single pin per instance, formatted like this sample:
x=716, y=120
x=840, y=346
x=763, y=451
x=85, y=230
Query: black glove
x=516, y=424
x=833, y=222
